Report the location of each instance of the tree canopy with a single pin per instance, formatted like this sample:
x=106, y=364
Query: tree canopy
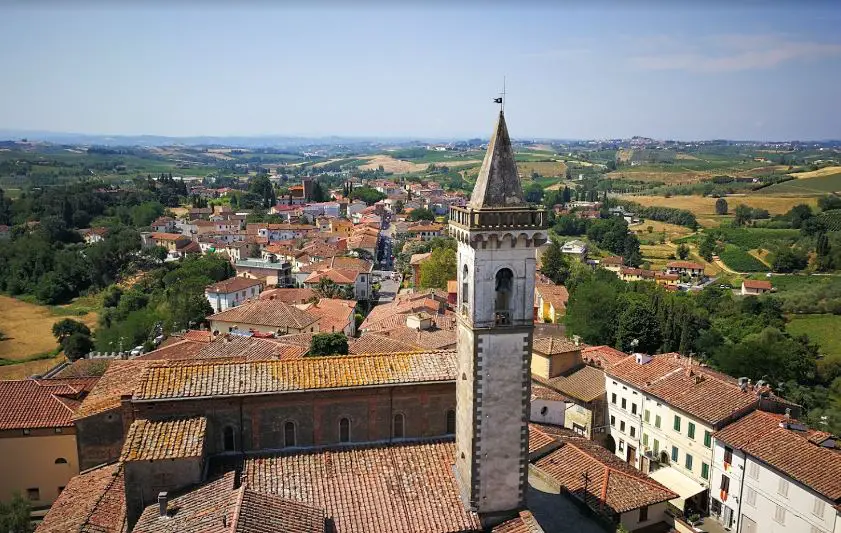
x=328, y=344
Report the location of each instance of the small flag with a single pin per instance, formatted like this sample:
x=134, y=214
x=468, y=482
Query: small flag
x=497, y=100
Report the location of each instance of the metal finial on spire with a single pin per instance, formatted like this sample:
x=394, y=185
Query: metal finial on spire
x=501, y=99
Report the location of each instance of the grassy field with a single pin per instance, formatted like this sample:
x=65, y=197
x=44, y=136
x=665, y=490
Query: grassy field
x=821, y=172
x=753, y=238
x=399, y=166
x=704, y=207
x=821, y=329
x=547, y=169
x=28, y=327
x=817, y=185
x=672, y=231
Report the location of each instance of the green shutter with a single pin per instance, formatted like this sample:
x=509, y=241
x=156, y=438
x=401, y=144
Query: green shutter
x=708, y=439
x=645, y=439
x=705, y=471
x=656, y=446
x=674, y=454
x=688, y=462
x=690, y=430
x=647, y=415
x=657, y=421
x=677, y=423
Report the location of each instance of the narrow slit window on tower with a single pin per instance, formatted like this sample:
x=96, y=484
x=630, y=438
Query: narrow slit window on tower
x=344, y=430
x=229, y=443
x=289, y=434
x=464, y=284
x=504, y=284
x=451, y=421
x=399, y=426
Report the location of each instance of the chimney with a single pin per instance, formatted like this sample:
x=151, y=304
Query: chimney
x=788, y=412
x=162, y=504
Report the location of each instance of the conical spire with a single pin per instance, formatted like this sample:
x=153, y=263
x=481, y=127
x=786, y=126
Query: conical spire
x=498, y=184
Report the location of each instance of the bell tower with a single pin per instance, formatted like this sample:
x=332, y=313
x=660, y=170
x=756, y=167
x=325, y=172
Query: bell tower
x=497, y=233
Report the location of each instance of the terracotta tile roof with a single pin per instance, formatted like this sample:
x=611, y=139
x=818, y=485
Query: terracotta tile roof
x=706, y=395
x=290, y=296
x=757, y=284
x=611, y=483
x=524, y=523
x=219, y=507
x=333, y=314
x=790, y=451
x=154, y=440
x=43, y=403
x=538, y=439
x=84, y=368
x=430, y=339
x=122, y=377
x=180, y=349
x=92, y=502
x=548, y=345
x=235, y=284
x=602, y=356
x=585, y=384
x=270, y=313
x=207, y=378
x=168, y=236
x=241, y=349
x=340, y=277
x=197, y=335
x=613, y=260
x=557, y=295
x=403, y=305
x=417, y=259
x=540, y=390
x=396, y=488
x=370, y=343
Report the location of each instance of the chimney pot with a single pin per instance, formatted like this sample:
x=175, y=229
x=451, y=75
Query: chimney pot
x=162, y=504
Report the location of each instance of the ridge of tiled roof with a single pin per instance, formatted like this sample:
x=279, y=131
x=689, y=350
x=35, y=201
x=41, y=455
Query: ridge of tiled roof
x=273, y=313
x=290, y=296
x=372, y=343
x=523, y=523
x=92, y=502
x=234, y=284
x=154, y=440
x=585, y=383
x=192, y=379
x=612, y=482
x=603, y=356
x=122, y=377
x=705, y=394
x=792, y=452
x=41, y=403
x=399, y=488
x=549, y=345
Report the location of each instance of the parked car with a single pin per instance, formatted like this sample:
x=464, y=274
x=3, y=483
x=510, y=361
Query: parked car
x=137, y=350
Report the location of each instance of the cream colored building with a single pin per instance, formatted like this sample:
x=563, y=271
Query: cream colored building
x=38, y=453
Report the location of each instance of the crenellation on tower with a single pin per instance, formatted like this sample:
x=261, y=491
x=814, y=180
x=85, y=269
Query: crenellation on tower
x=497, y=233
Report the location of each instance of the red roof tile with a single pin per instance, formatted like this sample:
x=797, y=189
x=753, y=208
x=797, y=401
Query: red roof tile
x=524, y=523
x=154, y=440
x=397, y=488
x=231, y=285
x=271, y=313
x=757, y=284
x=706, y=395
x=610, y=481
x=602, y=356
x=45, y=403
x=122, y=377
x=92, y=502
x=790, y=451
x=290, y=296
x=585, y=384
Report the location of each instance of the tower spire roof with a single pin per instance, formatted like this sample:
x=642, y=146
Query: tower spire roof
x=498, y=184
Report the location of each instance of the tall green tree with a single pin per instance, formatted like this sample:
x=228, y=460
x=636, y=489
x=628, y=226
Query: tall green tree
x=15, y=515
x=592, y=310
x=554, y=264
x=638, y=329
x=328, y=344
x=721, y=206
x=440, y=268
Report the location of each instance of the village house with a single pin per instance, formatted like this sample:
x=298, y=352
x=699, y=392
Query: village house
x=415, y=263
x=575, y=248
x=612, y=263
x=771, y=473
x=93, y=235
x=685, y=268
x=232, y=292
x=425, y=230
x=264, y=316
x=609, y=487
x=273, y=273
x=752, y=287
x=38, y=449
x=173, y=242
x=551, y=302
x=163, y=225
x=663, y=412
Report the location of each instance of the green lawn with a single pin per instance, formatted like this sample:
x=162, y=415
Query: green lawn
x=821, y=329
x=741, y=261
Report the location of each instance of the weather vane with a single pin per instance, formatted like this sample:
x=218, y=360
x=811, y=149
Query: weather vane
x=501, y=99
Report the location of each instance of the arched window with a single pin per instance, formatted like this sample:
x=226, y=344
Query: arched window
x=344, y=430
x=289, y=437
x=504, y=284
x=465, y=284
x=451, y=421
x=61, y=461
x=228, y=440
x=398, y=427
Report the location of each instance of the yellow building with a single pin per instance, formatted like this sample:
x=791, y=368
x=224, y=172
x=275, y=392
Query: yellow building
x=550, y=301
x=38, y=453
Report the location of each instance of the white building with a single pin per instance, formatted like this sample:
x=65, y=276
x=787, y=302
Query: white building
x=771, y=474
x=575, y=247
x=232, y=292
x=663, y=411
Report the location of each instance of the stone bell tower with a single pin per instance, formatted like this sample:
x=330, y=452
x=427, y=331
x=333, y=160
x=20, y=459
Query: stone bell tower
x=497, y=233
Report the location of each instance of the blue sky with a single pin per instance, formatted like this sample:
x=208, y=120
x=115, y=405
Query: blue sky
x=760, y=71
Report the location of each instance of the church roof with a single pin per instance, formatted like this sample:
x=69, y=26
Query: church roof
x=498, y=184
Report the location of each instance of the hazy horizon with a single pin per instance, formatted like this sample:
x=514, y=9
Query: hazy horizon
x=769, y=72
